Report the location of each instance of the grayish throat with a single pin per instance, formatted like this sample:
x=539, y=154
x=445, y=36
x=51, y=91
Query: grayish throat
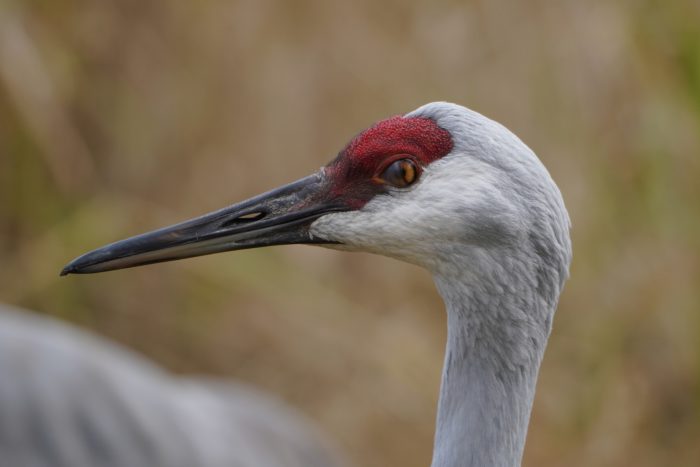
x=495, y=344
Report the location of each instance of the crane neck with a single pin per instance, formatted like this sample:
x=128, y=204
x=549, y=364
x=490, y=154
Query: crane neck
x=496, y=336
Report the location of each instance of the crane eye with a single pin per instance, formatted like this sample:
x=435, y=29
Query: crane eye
x=401, y=173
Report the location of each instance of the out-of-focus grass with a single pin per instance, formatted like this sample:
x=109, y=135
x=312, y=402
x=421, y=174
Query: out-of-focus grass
x=117, y=117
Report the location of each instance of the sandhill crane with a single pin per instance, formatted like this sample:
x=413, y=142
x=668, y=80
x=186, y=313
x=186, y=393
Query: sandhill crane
x=71, y=399
x=447, y=189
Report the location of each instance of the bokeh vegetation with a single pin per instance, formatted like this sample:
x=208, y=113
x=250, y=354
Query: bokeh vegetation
x=118, y=117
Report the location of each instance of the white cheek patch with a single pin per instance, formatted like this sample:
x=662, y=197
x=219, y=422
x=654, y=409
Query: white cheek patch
x=415, y=224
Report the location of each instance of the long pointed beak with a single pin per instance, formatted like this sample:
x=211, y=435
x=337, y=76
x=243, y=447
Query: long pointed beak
x=278, y=217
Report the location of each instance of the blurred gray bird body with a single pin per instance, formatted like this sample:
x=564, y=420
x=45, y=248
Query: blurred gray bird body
x=71, y=399
x=454, y=192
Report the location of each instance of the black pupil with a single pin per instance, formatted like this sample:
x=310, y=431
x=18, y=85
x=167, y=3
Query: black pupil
x=402, y=170
x=397, y=173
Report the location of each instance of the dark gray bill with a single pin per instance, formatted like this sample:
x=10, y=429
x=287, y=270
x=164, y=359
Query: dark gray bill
x=278, y=217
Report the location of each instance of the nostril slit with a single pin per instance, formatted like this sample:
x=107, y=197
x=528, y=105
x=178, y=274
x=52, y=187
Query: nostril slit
x=251, y=216
x=244, y=218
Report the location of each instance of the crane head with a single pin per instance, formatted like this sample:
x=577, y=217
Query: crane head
x=417, y=187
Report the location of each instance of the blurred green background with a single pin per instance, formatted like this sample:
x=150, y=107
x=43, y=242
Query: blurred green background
x=119, y=117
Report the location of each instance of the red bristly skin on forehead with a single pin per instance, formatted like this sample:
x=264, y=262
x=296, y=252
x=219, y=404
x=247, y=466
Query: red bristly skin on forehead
x=354, y=175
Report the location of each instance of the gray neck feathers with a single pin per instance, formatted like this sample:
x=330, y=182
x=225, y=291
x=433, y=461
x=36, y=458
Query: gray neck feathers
x=499, y=318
